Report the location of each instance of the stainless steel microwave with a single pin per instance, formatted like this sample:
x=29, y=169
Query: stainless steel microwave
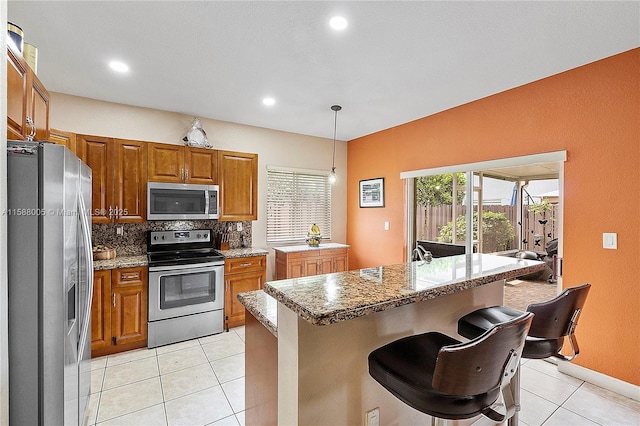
x=177, y=201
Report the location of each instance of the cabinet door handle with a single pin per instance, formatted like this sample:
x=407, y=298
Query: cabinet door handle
x=245, y=264
x=186, y=174
x=117, y=213
x=130, y=276
x=182, y=173
x=114, y=300
x=32, y=132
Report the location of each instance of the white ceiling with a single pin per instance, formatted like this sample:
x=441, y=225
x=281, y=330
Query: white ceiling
x=396, y=62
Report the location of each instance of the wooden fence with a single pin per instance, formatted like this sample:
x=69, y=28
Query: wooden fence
x=536, y=232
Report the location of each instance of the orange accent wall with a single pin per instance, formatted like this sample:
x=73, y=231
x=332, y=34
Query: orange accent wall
x=592, y=112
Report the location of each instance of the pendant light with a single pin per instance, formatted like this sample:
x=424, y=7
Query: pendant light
x=332, y=176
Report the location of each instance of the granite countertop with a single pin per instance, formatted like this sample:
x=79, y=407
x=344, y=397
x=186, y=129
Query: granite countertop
x=263, y=307
x=331, y=298
x=141, y=260
x=120, y=262
x=306, y=247
x=243, y=252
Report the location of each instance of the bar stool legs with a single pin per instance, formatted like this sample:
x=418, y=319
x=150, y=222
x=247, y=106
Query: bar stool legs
x=515, y=387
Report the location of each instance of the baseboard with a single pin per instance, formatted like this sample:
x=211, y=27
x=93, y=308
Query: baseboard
x=607, y=382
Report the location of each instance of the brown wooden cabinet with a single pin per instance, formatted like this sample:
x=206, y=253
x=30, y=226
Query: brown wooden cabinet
x=129, y=315
x=38, y=108
x=182, y=164
x=67, y=139
x=119, y=310
x=119, y=172
x=238, y=181
x=241, y=274
x=101, y=311
x=306, y=262
x=27, y=101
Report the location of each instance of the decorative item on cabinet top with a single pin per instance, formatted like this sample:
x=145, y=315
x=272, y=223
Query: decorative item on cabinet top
x=16, y=36
x=196, y=135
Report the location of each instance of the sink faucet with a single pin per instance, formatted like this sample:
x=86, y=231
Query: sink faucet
x=422, y=254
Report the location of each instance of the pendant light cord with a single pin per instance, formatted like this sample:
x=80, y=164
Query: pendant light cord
x=335, y=109
x=335, y=128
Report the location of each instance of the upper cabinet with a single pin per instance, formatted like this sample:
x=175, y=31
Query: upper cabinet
x=27, y=101
x=238, y=181
x=67, y=139
x=182, y=164
x=119, y=171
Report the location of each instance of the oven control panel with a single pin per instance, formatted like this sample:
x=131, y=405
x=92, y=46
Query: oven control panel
x=180, y=237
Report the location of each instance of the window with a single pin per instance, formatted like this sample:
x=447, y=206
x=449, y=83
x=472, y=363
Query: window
x=296, y=199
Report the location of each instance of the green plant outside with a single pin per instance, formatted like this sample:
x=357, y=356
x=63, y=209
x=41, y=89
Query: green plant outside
x=438, y=190
x=542, y=207
x=497, y=232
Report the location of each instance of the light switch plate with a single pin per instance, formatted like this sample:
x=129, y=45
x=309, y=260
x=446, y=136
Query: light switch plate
x=386, y=226
x=372, y=418
x=610, y=240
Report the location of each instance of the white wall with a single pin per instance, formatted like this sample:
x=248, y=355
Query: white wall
x=274, y=148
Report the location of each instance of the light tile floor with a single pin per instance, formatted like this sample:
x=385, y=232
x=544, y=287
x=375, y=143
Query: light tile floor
x=198, y=382
x=201, y=382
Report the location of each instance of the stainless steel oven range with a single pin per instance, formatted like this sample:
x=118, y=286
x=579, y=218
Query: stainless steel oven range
x=186, y=286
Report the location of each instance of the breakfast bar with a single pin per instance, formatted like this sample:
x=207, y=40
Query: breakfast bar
x=320, y=330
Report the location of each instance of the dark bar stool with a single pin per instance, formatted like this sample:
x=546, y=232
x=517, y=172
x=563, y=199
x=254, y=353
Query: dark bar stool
x=554, y=319
x=440, y=376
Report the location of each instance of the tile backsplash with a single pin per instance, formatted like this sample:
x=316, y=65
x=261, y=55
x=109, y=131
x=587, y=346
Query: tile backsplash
x=133, y=240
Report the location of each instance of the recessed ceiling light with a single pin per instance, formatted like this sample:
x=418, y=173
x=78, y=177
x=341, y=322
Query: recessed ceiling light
x=338, y=23
x=119, y=66
x=268, y=101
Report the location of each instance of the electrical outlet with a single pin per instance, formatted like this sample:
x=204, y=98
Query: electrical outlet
x=119, y=230
x=372, y=417
x=239, y=226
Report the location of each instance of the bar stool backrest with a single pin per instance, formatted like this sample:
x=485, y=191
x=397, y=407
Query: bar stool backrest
x=557, y=317
x=484, y=363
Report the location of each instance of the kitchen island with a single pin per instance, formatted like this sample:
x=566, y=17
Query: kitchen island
x=328, y=324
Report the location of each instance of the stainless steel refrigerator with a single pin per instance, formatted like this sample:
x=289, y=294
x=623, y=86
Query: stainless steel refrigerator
x=50, y=270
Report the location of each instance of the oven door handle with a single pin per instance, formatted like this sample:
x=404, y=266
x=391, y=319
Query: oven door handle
x=190, y=268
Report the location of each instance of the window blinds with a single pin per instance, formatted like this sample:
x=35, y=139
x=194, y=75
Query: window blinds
x=295, y=201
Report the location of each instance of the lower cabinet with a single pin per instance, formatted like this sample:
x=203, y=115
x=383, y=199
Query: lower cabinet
x=119, y=310
x=241, y=274
x=304, y=263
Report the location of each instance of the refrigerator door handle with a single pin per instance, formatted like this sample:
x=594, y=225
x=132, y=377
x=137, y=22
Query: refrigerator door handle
x=86, y=234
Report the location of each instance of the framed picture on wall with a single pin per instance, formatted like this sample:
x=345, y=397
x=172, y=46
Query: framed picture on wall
x=372, y=192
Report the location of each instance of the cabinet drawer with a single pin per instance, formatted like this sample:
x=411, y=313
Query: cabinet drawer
x=126, y=276
x=333, y=252
x=302, y=254
x=245, y=264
